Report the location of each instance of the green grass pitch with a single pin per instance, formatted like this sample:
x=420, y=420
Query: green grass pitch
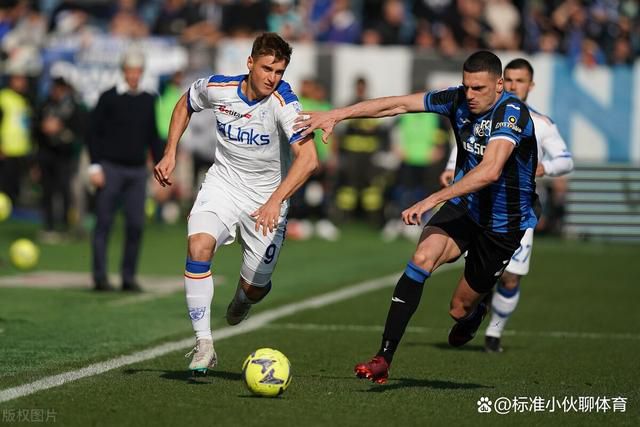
x=575, y=335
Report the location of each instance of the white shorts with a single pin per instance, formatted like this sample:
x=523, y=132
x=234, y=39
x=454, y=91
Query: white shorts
x=220, y=215
x=519, y=263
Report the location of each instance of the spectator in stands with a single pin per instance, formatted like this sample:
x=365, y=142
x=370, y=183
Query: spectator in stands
x=244, y=18
x=312, y=201
x=285, y=20
x=59, y=131
x=126, y=21
x=359, y=193
x=15, y=132
x=420, y=141
x=395, y=27
x=339, y=24
x=504, y=19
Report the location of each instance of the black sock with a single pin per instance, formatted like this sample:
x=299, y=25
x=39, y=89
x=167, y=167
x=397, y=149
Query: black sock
x=405, y=301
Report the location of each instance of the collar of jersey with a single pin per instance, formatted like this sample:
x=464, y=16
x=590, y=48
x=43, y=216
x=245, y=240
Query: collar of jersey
x=243, y=96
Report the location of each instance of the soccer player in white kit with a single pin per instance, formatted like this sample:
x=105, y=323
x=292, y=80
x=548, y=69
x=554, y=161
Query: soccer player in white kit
x=245, y=192
x=555, y=160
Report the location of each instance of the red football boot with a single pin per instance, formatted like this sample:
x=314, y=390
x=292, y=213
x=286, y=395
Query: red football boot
x=376, y=370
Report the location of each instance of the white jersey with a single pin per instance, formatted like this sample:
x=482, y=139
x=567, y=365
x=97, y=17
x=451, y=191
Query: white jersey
x=552, y=150
x=253, y=137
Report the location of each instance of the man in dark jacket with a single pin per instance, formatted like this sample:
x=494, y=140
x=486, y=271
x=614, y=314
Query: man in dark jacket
x=123, y=128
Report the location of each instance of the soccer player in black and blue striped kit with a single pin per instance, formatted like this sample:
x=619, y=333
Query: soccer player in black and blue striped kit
x=486, y=210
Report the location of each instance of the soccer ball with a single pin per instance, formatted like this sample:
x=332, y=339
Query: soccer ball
x=24, y=254
x=5, y=207
x=266, y=372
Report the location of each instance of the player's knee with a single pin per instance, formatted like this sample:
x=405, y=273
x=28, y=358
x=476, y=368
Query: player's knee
x=509, y=281
x=201, y=247
x=423, y=260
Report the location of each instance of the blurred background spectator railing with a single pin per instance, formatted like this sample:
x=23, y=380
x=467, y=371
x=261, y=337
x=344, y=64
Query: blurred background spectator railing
x=584, y=54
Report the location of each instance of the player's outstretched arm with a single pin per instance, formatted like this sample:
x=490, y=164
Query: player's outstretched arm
x=179, y=121
x=304, y=164
x=487, y=172
x=308, y=121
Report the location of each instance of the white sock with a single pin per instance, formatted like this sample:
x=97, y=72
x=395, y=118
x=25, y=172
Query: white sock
x=198, y=286
x=501, y=308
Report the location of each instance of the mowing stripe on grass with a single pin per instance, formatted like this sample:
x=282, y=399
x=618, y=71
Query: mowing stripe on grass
x=425, y=330
x=255, y=322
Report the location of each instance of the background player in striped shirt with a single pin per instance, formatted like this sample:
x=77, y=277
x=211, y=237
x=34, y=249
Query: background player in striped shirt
x=487, y=209
x=246, y=190
x=554, y=160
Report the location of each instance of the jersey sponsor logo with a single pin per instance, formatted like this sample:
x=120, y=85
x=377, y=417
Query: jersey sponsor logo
x=226, y=110
x=474, y=147
x=510, y=123
x=483, y=128
x=246, y=136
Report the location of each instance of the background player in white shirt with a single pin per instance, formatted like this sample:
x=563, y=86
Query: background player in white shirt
x=555, y=160
x=246, y=189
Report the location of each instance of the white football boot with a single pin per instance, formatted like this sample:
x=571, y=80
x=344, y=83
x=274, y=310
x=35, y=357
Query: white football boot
x=204, y=356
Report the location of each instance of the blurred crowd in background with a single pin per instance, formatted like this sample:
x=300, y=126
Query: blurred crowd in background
x=371, y=169
x=598, y=31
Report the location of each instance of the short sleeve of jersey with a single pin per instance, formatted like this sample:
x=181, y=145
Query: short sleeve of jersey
x=198, y=96
x=509, y=121
x=441, y=101
x=288, y=110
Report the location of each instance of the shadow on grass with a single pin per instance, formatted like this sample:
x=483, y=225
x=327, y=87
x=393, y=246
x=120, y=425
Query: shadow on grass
x=187, y=376
x=401, y=383
x=447, y=347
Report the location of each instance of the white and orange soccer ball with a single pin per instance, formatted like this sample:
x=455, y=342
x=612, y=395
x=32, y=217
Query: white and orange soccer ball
x=267, y=372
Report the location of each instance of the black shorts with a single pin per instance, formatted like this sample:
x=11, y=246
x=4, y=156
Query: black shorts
x=488, y=252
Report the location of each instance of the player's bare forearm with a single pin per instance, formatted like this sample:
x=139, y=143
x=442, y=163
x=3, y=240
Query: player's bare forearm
x=179, y=122
x=304, y=164
x=374, y=108
x=487, y=172
x=383, y=107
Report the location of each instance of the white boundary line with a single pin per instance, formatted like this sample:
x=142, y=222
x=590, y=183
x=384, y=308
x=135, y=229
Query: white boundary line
x=249, y=325
x=425, y=330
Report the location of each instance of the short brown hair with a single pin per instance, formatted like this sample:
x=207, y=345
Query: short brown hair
x=271, y=44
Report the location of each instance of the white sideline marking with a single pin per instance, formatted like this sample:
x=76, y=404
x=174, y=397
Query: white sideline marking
x=249, y=325
x=425, y=330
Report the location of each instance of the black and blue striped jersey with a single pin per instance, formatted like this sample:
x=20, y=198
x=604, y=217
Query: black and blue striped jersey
x=507, y=204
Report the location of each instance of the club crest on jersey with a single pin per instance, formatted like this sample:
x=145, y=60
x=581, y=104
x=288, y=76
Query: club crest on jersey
x=226, y=110
x=246, y=136
x=483, y=128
